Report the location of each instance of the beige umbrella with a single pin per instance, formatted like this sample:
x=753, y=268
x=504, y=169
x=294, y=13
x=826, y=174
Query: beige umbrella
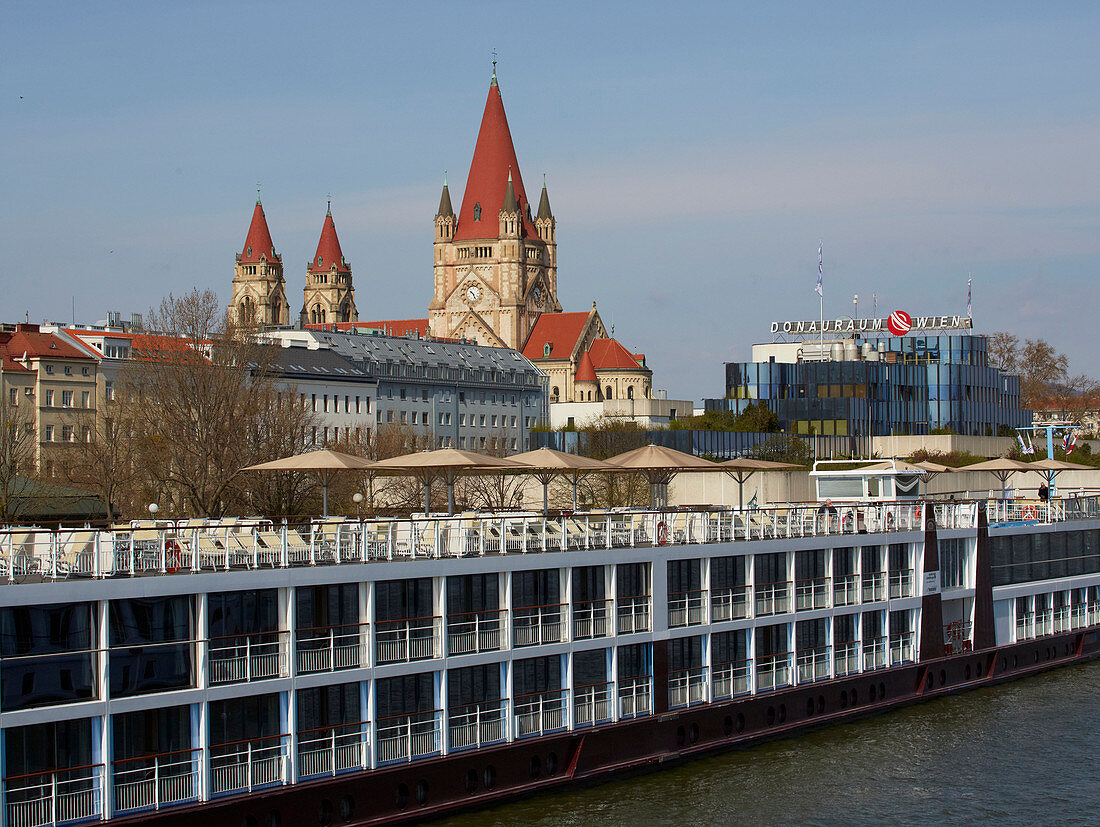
x=926, y=470
x=324, y=463
x=1000, y=467
x=743, y=467
x=545, y=463
x=1053, y=467
x=447, y=464
x=660, y=465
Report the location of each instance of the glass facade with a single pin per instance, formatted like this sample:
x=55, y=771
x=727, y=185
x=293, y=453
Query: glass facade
x=915, y=385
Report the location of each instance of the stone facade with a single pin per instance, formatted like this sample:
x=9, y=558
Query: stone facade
x=259, y=288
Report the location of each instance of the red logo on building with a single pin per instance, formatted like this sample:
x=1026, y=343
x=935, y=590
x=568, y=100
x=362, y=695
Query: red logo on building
x=899, y=323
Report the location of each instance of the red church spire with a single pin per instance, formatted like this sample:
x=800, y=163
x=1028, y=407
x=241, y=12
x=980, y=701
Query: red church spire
x=258, y=241
x=328, y=249
x=494, y=157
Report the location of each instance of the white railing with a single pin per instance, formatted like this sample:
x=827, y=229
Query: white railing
x=54, y=797
x=1061, y=619
x=901, y=583
x=633, y=614
x=874, y=586
x=729, y=680
x=773, y=598
x=687, y=687
x=537, y=625
x=330, y=750
x=540, y=713
x=157, y=781
x=241, y=658
x=590, y=619
x=687, y=608
x=874, y=653
x=329, y=649
x=811, y=594
x=401, y=641
x=246, y=765
x=730, y=604
x=469, y=632
x=1044, y=622
x=846, y=661
x=901, y=648
x=1078, y=615
x=592, y=704
x=407, y=737
x=815, y=665
x=635, y=696
x=773, y=671
x=1025, y=626
x=846, y=590
x=477, y=725
x=956, y=637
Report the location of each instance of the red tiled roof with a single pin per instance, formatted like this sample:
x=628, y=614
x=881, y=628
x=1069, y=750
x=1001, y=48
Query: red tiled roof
x=585, y=371
x=147, y=347
x=494, y=156
x=258, y=241
x=9, y=364
x=608, y=354
x=328, y=251
x=394, y=327
x=562, y=330
x=42, y=345
x=78, y=336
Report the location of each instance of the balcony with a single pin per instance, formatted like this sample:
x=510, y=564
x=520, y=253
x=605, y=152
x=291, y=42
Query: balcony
x=729, y=604
x=408, y=737
x=1044, y=622
x=635, y=696
x=590, y=619
x=811, y=594
x=1061, y=619
x=901, y=648
x=469, y=632
x=874, y=653
x=846, y=590
x=477, y=724
x=592, y=704
x=687, y=608
x=874, y=586
x=728, y=680
x=773, y=598
x=245, y=658
x=814, y=664
x=541, y=712
x=402, y=641
x=773, y=671
x=155, y=781
x=331, y=648
x=1078, y=615
x=537, y=625
x=247, y=765
x=901, y=584
x=846, y=661
x=1025, y=626
x=330, y=750
x=54, y=797
x=687, y=687
x=633, y=614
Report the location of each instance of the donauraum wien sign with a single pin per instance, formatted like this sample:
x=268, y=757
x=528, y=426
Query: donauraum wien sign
x=880, y=326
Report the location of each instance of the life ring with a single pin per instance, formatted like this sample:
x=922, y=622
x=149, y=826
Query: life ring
x=1029, y=512
x=171, y=556
x=662, y=533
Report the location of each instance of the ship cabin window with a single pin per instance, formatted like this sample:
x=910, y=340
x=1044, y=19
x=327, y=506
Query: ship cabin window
x=401, y=600
x=952, y=563
x=872, y=627
x=810, y=636
x=844, y=629
x=468, y=596
x=532, y=677
x=473, y=696
x=684, y=655
x=327, y=715
x=901, y=624
x=46, y=654
x=729, y=647
x=900, y=559
x=533, y=589
x=635, y=661
x=844, y=561
x=403, y=697
x=324, y=612
x=871, y=560
x=237, y=616
x=684, y=576
x=150, y=639
x=253, y=722
x=809, y=571
x=590, y=669
x=161, y=734
x=727, y=573
x=631, y=580
x=32, y=752
x=771, y=642
x=588, y=587
x=770, y=569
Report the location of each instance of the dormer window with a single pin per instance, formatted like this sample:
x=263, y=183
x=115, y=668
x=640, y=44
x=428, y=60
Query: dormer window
x=319, y=260
x=477, y=211
x=547, y=349
x=248, y=251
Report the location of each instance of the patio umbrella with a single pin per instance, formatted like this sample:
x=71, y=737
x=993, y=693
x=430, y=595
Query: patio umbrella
x=743, y=467
x=447, y=464
x=545, y=463
x=660, y=465
x=1053, y=467
x=1000, y=467
x=324, y=464
x=925, y=470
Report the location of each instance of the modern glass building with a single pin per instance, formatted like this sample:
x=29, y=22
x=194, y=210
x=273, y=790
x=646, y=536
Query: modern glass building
x=880, y=387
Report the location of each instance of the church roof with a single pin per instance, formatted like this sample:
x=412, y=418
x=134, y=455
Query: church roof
x=328, y=250
x=544, y=204
x=609, y=354
x=445, y=209
x=494, y=156
x=585, y=371
x=258, y=241
x=560, y=330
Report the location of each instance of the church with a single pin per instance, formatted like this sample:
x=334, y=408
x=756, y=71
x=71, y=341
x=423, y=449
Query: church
x=495, y=280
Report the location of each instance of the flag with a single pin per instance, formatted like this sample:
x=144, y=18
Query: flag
x=819, y=290
x=752, y=502
x=1023, y=447
x=1069, y=442
x=969, y=282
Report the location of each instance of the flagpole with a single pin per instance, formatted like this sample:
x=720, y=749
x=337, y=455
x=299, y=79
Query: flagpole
x=821, y=307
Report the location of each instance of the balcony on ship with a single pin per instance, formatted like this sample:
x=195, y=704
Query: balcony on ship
x=154, y=763
x=476, y=711
x=811, y=585
x=687, y=676
x=633, y=598
x=687, y=599
x=773, y=657
x=590, y=606
x=332, y=733
x=50, y=775
x=875, y=641
x=813, y=657
x=730, y=596
x=537, y=610
x=328, y=636
x=406, y=627
x=248, y=744
x=475, y=621
x=772, y=589
x=245, y=643
x=408, y=719
x=541, y=702
x=874, y=579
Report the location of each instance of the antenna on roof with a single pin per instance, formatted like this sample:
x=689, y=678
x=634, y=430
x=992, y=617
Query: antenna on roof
x=257, y=193
x=329, y=213
x=494, y=53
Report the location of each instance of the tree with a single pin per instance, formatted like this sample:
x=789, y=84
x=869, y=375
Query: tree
x=18, y=452
x=493, y=491
x=784, y=448
x=1003, y=351
x=278, y=429
x=107, y=460
x=1042, y=370
x=756, y=418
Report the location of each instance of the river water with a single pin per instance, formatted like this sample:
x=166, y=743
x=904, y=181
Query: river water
x=1026, y=752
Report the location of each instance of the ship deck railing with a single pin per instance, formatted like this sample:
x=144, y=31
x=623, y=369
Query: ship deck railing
x=408, y=737
x=244, y=766
x=687, y=608
x=635, y=696
x=812, y=593
x=956, y=637
x=333, y=749
x=538, y=625
x=901, y=583
x=730, y=603
x=590, y=619
x=728, y=680
x=247, y=657
x=773, y=671
x=476, y=725
x=59, y=797
x=815, y=664
x=150, y=782
x=633, y=614
x=593, y=704
x=875, y=653
x=874, y=586
x=540, y=712
x=330, y=648
x=773, y=598
x=846, y=658
x=845, y=589
x=403, y=640
x=167, y=548
x=902, y=648
x=475, y=631
x=687, y=687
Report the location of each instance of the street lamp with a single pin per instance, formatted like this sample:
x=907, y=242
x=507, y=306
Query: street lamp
x=153, y=509
x=855, y=306
x=357, y=499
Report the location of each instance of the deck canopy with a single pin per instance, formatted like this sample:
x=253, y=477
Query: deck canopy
x=743, y=467
x=324, y=464
x=447, y=464
x=659, y=465
x=544, y=464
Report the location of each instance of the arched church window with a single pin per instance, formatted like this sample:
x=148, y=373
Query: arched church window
x=477, y=211
x=554, y=394
x=630, y=392
x=607, y=395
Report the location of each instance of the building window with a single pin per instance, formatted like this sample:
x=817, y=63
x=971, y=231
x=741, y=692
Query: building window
x=66, y=399
x=109, y=390
x=87, y=434
x=477, y=211
x=630, y=392
x=66, y=433
x=389, y=416
x=47, y=433
x=13, y=395
x=84, y=399
x=608, y=394
x=314, y=402
x=324, y=403
x=68, y=370
x=49, y=368
x=84, y=371
x=404, y=418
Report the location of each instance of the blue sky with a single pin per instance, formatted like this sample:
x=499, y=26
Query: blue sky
x=696, y=154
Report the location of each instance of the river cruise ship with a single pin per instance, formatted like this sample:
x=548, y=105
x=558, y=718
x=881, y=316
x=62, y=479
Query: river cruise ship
x=251, y=673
